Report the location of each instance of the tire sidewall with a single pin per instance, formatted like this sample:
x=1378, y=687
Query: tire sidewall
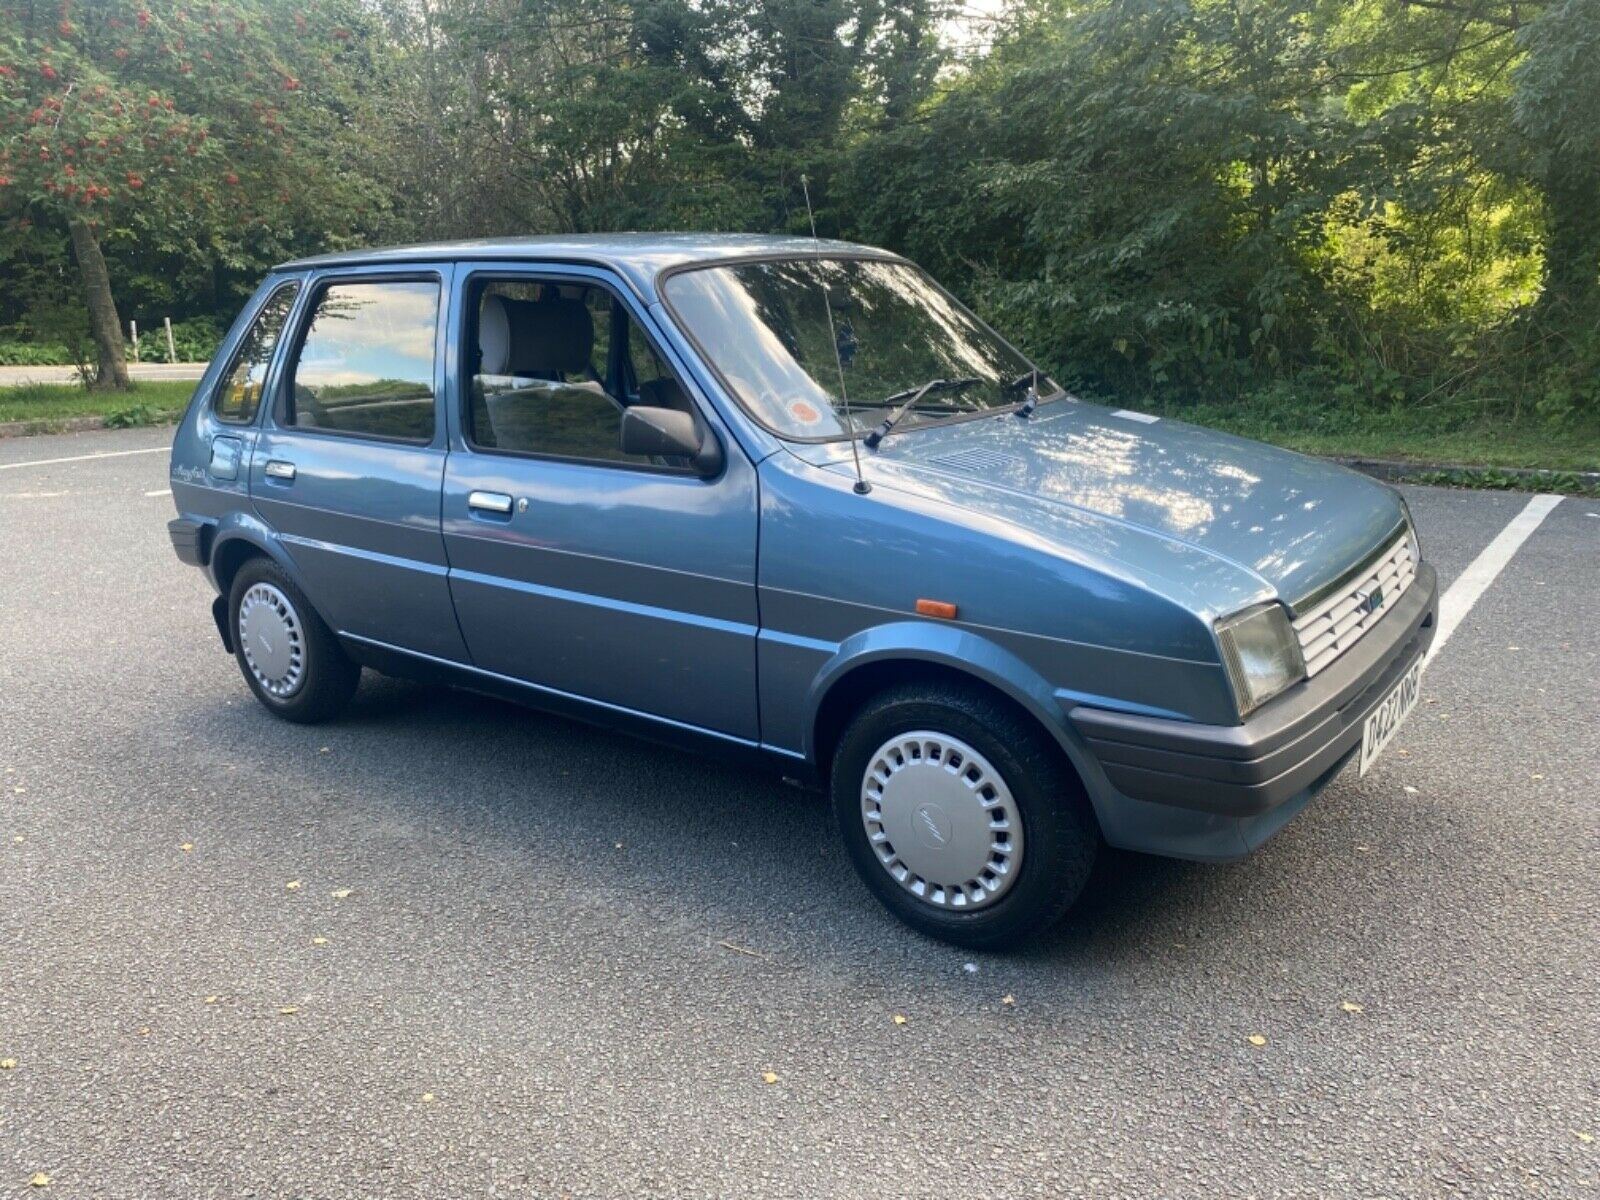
x=1036, y=787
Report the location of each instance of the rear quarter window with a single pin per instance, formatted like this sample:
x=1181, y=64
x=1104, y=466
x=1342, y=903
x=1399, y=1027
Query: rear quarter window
x=239, y=394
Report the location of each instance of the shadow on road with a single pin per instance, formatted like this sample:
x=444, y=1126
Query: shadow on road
x=733, y=844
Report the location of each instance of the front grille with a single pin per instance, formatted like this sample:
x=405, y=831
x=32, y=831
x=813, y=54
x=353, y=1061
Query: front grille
x=1337, y=622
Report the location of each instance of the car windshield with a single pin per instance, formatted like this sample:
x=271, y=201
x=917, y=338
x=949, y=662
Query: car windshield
x=766, y=327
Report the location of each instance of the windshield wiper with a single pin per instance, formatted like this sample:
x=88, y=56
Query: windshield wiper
x=909, y=400
x=1031, y=378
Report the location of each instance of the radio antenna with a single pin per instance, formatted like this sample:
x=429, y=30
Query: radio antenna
x=862, y=486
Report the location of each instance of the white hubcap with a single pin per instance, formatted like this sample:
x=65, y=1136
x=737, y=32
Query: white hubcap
x=272, y=640
x=941, y=820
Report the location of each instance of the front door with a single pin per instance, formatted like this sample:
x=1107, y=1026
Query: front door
x=349, y=467
x=575, y=567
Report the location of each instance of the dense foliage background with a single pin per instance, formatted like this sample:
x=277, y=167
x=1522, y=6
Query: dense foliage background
x=1350, y=206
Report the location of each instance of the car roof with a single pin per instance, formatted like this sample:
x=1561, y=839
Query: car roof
x=638, y=257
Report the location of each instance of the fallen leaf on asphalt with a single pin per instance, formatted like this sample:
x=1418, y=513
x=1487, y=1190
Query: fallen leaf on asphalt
x=1257, y=1040
x=39, y=1180
x=770, y=1077
x=1538, y=776
x=341, y=893
x=1409, y=790
x=1585, y=1138
x=1351, y=1007
x=319, y=941
x=144, y=1031
x=19, y=839
x=19, y=789
x=212, y=999
x=186, y=847
x=1008, y=1000
x=288, y=1010
x=427, y=1097
x=8, y=1064
x=292, y=886
x=899, y=1019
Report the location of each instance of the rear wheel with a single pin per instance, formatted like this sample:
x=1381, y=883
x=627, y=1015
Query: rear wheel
x=288, y=656
x=961, y=815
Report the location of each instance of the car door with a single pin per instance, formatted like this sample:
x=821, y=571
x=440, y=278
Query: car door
x=576, y=567
x=349, y=465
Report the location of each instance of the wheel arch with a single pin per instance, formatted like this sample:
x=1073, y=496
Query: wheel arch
x=240, y=537
x=919, y=652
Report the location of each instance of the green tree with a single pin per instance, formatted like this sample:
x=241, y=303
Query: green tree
x=1509, y=87
x=190, y=126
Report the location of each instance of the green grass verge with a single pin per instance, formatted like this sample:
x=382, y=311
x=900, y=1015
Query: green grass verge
x=144, y=404
x=1462, y=434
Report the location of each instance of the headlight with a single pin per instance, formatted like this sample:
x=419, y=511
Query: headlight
x=1262, y=654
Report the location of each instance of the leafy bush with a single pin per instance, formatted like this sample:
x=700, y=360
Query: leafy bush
x=28, y=354
x=196, y=340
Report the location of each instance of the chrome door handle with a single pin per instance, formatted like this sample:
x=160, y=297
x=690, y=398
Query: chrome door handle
x=494, y=502
x=276, y=468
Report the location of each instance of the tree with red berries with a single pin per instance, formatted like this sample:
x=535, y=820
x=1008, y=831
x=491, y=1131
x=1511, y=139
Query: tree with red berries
x=202, y=121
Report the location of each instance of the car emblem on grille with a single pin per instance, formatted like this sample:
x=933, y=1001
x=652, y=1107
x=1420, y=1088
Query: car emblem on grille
x=1371, y=601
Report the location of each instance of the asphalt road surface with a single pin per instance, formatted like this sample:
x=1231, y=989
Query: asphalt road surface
x=448, y=947
x=17, y=376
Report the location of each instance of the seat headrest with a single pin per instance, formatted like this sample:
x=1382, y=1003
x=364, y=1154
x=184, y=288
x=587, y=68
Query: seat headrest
x=549, y=336
x=494, y=337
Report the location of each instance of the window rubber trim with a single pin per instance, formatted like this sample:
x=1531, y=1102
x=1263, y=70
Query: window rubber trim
x=317, y=286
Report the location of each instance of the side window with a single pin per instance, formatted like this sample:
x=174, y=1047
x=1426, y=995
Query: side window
x=365, y=364
x=240, y=392
x=557, y=365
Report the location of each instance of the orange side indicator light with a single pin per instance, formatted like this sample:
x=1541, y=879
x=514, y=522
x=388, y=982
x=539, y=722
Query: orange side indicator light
x=937, y=608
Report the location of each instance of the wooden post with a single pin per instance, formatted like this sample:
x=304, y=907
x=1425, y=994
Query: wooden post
x=172, y=349
x=134, y=325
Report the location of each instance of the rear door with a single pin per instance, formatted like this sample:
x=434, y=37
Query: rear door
x=576, y=567
x=349, y=466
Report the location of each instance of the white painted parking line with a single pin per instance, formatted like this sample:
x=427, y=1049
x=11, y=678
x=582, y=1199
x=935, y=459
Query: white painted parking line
x=50, y=462
x=160, y=492
x=1461, y=595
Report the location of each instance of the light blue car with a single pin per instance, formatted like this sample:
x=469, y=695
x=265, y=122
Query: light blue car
x=789, y=498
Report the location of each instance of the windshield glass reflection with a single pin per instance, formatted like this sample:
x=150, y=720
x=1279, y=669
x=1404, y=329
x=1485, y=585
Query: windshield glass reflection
x=766, y=327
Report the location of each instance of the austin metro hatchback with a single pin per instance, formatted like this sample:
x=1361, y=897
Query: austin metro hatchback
x=790, y=499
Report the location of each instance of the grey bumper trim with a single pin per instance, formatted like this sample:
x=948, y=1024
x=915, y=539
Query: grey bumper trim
x=190, y=540
x=1294, y=743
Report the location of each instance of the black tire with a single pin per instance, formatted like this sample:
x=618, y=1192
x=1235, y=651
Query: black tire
x=328, y=678
x=1062, y=835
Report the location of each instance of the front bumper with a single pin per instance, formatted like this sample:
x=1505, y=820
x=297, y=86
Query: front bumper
x=1212, y=784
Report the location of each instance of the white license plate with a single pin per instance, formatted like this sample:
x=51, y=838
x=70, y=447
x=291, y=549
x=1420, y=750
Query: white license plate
x=1384, y=721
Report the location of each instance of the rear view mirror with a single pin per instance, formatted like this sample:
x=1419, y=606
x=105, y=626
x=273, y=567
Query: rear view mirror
x=669, y=432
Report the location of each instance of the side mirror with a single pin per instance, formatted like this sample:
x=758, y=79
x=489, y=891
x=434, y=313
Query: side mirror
x=669, y=432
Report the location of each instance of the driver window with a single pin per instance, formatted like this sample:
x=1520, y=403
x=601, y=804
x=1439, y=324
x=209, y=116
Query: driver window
x=556, y=365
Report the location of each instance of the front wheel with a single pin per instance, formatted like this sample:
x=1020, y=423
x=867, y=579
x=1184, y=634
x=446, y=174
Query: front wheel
x=289, y=657
x=961, y=816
